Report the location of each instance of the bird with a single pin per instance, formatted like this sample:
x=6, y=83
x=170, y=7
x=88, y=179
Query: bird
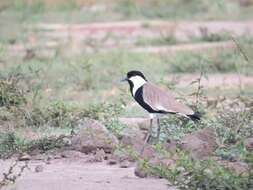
x=155, y=101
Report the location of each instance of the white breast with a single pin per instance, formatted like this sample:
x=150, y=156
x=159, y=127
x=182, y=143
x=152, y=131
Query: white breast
x=137, y=82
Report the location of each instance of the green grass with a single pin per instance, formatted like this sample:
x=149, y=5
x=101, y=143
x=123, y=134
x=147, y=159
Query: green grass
x=63, y=78
x=18, y=142
x=69, y=11
x=206, y=175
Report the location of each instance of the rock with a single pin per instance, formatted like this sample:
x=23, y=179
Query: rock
x=148, y=153
x=39, y=168
x=72, y=154
x=111, y=162
x=57, y=156
x=122, y=156
x=24, y=157
x=140, y=172
x=245, y=3
x=248, y=143
x=39, y=157
x=48, y=160
x=35, y=152
x=200, y=144
x=170, y=145
x=99, y=155
x=125, y=164
x=93, y=135
x=134, y=139
x=132, y=132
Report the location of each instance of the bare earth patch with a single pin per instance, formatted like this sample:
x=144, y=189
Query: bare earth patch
x=66, y=174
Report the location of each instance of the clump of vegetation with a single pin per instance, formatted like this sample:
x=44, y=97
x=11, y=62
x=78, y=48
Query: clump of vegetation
x=174, y=9
x=163, y=40
x=206, y=175
x=234, y=125
x=10, y=93
x=11, y=143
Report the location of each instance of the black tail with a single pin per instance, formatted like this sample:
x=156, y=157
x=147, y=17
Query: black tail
x=194, y=117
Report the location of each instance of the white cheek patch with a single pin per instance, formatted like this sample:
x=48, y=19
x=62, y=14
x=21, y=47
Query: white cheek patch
x=138, y=82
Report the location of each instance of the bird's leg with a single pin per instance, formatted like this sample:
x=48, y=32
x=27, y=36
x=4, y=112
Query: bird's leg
x=147, y=138
x=158, y=130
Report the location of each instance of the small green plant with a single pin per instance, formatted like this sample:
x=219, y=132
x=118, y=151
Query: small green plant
x=233, y=125
x=47, y=143
x=32, y=7
x=205, y=175
x=9, y=143
x=10, y=93
x=161, y=41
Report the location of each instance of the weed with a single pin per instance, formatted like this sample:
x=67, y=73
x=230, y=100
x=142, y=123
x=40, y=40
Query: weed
x=47, y=143
x=10, y=93
x=233, y=125
x=163, y=40
x=26, y=9
x=9, y=143
x=10, y=176
x=170, y=127
x=207, y=174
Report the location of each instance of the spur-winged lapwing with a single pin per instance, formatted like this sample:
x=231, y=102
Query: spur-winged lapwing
x=155, y=100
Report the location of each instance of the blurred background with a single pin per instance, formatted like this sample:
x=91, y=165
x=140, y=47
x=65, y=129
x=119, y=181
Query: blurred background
x=69, y=49
x=76, y=51
x=62, y=60
x=60, y=55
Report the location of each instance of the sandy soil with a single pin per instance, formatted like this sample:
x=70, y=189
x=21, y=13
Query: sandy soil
x=64, y=174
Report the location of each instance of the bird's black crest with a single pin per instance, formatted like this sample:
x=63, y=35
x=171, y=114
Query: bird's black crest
x=135, y=73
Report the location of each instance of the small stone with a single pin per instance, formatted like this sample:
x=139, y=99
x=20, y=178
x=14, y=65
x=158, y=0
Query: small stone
x=48, y=160
x=72, y=154
x=180, y=169
x=39, y=157
x=170, y=145
x=112, y=162
x=24, y=157
x=200, y=144
x=99, y=155
x=39, y=168
x=140, y=172
x=125, y=164
x=57, y=157
x=93, y=135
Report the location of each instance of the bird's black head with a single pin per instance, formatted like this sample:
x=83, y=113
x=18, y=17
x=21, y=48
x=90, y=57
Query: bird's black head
x=135, y=79
x=135, y=73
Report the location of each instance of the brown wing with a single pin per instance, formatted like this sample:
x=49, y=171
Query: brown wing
x=160, y=100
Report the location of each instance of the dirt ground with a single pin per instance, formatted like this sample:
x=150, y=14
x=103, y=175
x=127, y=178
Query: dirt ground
x=61, y=174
